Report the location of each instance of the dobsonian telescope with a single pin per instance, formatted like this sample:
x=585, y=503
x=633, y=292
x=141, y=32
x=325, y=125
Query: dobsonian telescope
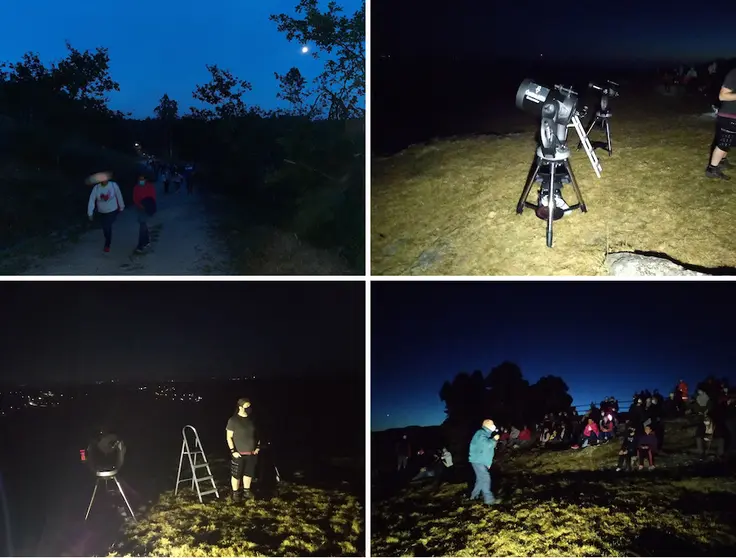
x=557, y=110
x=603, y=114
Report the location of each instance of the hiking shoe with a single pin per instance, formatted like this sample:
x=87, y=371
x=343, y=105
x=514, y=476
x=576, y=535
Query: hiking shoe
x=725, y=163
x=139, y=250
x=248, y=495
x=716, y=172
x=494, y=502
x=237, y=497
x=106, y=249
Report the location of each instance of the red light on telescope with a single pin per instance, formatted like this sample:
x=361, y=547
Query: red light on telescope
x=83, y=454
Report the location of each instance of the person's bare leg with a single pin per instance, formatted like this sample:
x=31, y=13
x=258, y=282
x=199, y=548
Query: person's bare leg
x=235, y=483
x=717, y=157
x=246, y=482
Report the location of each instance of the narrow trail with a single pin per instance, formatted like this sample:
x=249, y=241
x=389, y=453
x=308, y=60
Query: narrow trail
x=181, y=244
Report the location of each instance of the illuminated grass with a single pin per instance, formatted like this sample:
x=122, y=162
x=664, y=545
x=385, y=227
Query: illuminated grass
x=564, y=504
x=299, y=521
x=449, y=207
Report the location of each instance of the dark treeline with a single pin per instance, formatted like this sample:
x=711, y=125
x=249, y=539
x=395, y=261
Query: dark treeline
x=300, y=169
x=505, y=394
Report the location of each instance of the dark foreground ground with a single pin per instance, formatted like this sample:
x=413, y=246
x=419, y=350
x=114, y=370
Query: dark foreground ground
x=446, y=98
x=316, y=509
x=566, y=503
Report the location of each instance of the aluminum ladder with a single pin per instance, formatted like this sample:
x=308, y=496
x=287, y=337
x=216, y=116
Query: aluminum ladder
x=195, y=466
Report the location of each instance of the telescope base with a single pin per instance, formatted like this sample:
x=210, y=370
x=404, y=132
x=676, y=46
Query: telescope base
x=552, y=172
x=106, y=476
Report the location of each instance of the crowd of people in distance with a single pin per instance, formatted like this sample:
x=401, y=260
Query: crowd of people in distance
x=640, y=430
x=703, y=79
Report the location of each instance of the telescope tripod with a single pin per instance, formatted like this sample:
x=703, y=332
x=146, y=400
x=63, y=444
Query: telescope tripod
x=602, y=119
x=552, y=172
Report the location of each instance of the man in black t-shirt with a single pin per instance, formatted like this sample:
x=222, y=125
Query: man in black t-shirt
x=725, y=128
x=243, y=442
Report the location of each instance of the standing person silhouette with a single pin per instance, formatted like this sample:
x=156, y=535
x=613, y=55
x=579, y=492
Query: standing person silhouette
x=725, y=128
x=144, y=198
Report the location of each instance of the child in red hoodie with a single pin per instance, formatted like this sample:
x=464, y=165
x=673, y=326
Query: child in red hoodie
x=144, y=199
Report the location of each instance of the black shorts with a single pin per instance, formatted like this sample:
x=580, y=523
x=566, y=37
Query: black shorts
x=725, y=132
x=243, y=466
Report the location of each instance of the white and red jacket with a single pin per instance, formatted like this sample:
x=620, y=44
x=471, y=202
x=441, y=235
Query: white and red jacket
x=105, y=199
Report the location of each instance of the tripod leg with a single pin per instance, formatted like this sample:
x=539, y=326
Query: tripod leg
x=575, y=187
x=120, y=488
x=609, y=145
x=551, y=204
x=94, y=493
x=593, y=122
x=536, y=165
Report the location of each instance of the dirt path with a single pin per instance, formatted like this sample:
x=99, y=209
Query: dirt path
x=181, y=244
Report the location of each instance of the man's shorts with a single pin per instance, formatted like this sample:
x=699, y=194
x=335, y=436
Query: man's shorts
x=725, y=132
x=243, y=466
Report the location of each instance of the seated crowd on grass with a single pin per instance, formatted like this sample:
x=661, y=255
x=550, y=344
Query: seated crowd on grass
x=641, y=430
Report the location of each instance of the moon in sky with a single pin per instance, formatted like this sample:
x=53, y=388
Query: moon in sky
x=305, y=49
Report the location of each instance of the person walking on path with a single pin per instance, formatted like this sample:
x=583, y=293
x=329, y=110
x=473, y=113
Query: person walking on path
x=144, y=198
x=107, y=199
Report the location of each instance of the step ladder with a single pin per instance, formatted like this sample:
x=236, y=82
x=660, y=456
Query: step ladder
x=195, y=466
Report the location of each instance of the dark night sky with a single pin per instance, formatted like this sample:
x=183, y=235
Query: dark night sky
x=605, y=338
x=88, y=331
x=576, y=30
x=163, y=46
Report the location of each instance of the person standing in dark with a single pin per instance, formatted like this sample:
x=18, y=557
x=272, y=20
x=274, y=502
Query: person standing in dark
x=144, y=199
x=165, y=177
x=189, y=178
x=637, y=415
x=654, y=414
x=403, y=451
x=725, y=128
x=242, y=440
x=482, y=451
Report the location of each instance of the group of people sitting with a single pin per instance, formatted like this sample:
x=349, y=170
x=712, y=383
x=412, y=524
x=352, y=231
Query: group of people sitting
x=642, y=433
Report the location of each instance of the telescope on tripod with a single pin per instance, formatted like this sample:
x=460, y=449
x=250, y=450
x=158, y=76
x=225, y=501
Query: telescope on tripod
x=557, y=109
x=603, y=114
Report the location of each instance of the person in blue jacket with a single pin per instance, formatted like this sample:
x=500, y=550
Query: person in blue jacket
x=482, y=450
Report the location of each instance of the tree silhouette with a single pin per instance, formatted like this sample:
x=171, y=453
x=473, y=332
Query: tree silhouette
x=224, y=93
x=338, y=89
x=292, y=89
x=503, y=395
x=167, y=112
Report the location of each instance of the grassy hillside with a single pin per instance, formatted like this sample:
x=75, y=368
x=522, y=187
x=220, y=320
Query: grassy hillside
x=449, y=207
x=571, y=503
x=298, y=521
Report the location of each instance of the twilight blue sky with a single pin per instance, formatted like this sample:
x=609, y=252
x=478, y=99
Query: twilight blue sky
x=162, y=46
x=605, y=338
x=619, y=30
